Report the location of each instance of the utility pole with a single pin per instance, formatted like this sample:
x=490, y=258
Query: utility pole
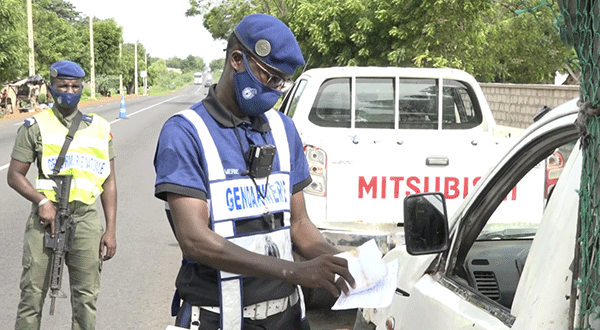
x=30, y=39
x=135, y=79
x=121, y=75
x=92, y=64
x=146, y=75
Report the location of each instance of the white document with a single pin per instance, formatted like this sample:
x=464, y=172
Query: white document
x=375, y=280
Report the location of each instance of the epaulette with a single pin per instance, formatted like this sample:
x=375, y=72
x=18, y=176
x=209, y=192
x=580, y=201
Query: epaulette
x=87, y=118
x=29, y=121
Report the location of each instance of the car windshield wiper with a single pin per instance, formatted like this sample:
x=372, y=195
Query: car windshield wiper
x=508, y=233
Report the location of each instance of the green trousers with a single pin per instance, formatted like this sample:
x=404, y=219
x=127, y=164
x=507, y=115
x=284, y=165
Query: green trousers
x=84, y=265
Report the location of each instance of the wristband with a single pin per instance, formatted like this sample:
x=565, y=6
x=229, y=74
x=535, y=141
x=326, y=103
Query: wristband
x=42, y=202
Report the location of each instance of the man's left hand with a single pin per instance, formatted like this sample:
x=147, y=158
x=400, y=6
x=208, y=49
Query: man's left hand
x=108, y=246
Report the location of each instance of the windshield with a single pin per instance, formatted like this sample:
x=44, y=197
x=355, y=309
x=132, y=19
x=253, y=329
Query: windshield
x=519, y=215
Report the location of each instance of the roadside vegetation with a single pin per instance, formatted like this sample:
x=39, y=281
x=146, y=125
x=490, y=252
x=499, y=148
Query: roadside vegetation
x=504, y=41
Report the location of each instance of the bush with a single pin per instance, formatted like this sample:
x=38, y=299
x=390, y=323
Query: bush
x=87, y=92
x=42, y=98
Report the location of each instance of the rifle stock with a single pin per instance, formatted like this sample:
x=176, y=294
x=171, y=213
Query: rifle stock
x=64, y=227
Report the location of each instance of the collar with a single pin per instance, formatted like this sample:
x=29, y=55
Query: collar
x=224, y=117
x=66, y=121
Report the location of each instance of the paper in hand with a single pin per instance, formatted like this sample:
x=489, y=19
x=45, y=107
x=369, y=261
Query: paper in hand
x=375, y=280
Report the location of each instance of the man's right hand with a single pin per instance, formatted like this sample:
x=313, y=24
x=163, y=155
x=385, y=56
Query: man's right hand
x=321, y=272
x=47, y=214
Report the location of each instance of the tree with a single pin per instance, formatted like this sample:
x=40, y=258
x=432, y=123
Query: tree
x=483, y=37
x=174, y=62
x=107, y=37
x=217, y=64
x=192, y=63
x=55, y=39
x=128, y=65
x=220, y=17
x=13, y=40
x=525, y=47
x=63, y=9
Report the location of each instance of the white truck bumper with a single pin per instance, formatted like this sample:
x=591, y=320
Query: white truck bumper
x=347, y=236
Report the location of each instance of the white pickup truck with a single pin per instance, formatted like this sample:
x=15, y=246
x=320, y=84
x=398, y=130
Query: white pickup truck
x=373, y=135
x=492, y=266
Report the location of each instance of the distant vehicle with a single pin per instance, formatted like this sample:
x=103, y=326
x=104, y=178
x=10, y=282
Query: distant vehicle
x=207, y=79
x=198, y=78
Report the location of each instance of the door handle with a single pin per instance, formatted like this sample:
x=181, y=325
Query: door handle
x=437, y=161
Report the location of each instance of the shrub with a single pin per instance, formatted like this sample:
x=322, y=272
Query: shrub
x=42, y=98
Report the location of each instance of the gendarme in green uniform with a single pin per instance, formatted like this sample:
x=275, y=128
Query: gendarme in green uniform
x=83, y=260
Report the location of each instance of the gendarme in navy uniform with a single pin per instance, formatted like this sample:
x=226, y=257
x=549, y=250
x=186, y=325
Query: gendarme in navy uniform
x=237, y=225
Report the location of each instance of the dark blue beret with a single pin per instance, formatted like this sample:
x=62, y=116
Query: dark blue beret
x=271, y=41
x=66, y=69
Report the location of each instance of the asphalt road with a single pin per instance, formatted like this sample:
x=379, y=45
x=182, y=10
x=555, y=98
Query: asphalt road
x=138, y=283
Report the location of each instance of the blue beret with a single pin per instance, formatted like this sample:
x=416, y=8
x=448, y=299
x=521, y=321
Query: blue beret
x=66, y=69
x=271, y=41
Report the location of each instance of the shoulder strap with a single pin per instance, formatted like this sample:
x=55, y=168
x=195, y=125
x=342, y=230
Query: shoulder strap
x=63, y=151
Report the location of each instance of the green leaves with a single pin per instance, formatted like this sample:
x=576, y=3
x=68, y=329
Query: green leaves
x=485, y=38
x=13, y=39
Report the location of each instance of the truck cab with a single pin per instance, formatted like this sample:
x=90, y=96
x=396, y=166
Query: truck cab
x=373, y=135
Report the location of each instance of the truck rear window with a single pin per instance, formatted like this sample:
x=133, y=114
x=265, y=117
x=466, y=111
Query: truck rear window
x=332, y=104
x=375, y=104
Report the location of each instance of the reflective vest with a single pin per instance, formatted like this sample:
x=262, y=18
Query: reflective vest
x=236, y=199
x=87, y=159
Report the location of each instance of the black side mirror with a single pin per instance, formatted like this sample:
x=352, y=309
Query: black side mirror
x=426, y=224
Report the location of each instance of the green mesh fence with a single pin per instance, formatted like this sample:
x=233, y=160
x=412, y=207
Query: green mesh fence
x=578, y=23
x=580, y=27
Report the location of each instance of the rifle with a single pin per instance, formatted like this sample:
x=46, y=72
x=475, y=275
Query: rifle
x=64, y=228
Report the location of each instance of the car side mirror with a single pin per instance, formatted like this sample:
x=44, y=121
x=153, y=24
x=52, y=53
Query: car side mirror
x=426, y=224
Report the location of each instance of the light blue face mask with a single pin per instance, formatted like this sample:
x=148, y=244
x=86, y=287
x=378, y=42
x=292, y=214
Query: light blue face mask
x=67, y=101
x=253, y=97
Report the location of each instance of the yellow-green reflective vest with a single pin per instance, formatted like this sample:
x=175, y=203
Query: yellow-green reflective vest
x=87, y=159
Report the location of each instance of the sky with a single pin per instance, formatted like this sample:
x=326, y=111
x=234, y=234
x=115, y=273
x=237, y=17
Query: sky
x=161, y=27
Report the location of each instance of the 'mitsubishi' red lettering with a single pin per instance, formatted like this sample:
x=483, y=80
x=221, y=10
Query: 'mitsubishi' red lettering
x=410, y=183
x=376, y=187
x=396, y=180
x=513, y=194
x=364, y=187
x=451, y=188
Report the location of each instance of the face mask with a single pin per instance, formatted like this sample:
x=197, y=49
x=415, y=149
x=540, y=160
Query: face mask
x=65, y=100
x=253, y=97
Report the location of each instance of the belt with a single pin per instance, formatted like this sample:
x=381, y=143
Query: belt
x=262, y=310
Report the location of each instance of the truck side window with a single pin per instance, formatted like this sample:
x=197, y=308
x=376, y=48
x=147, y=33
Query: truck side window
x=374, y=103
x=332, y=104
x=295, y=98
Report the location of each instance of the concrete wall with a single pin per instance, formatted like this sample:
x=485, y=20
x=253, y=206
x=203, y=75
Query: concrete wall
x=515, y=104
